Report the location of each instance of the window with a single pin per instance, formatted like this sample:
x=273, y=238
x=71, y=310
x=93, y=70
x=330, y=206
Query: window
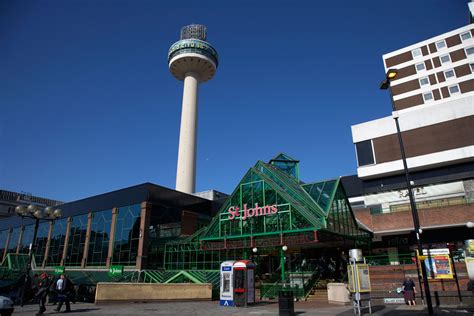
x=448, y=74
x=470, y=51
x=14, y=239
x=365, y=153
x=472, y=67
x=424, y=81
x=3, y=240
x=465, y=36
x=127, y=234
x=99, y=238
x=454, y=89
x=441, y=44
x=420, y=66
x=428, y=96
x=27, y=238
x=77, y=240
x=41, y=242
x=56, y=243
x=445, y=59
x=416, y=52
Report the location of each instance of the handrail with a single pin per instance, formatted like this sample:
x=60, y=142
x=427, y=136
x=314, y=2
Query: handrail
x=271, y=289
x=382, y=260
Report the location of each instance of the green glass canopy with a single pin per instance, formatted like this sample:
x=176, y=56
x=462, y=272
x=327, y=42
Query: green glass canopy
x=270, y=200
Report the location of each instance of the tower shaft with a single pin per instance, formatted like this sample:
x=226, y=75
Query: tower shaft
x=186, y=170
x=194, y=61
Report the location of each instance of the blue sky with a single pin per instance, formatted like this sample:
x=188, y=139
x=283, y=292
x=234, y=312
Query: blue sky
x=88, y=104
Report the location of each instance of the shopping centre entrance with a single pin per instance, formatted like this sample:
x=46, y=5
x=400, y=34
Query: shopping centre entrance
x=286, y=226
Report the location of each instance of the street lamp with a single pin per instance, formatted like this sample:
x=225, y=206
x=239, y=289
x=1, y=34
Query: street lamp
x=38, y=214
x=282, y=263
x=384, y=85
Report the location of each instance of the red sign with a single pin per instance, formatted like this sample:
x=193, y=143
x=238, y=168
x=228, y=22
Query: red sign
x=235, y=211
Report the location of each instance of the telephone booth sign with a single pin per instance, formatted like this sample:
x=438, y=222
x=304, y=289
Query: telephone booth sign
x=227, y=284
x=244, y=282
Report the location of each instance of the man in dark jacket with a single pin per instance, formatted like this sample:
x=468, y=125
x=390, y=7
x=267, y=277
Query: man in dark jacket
x=64, y=287
x=44, y=283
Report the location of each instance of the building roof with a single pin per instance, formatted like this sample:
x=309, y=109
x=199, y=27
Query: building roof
x=148, y=192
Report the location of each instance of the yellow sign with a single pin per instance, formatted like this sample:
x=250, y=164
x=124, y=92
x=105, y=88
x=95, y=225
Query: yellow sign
x=359, y=280
x=439, y=267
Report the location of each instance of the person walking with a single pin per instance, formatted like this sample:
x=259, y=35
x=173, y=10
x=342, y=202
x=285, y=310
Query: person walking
x=409, y=291
x=44, y=283
x=63, y=287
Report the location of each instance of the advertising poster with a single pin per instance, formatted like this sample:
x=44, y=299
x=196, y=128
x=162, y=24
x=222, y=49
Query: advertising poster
x=363, y=277
x=439, y=266
x=350, y=277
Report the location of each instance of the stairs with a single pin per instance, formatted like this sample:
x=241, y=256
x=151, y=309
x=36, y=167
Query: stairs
x=318, y=295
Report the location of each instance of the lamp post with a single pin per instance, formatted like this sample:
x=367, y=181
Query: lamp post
x=254, y=252
x=282, y=263
x=385, y=84
x=38, y=214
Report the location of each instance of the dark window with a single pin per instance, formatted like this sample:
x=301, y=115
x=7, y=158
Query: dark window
x=99, y=238
x=56, y=243
x=27, y=238
x=127, y=234
x=365, y=155
x=41, y=242
x=77, y=239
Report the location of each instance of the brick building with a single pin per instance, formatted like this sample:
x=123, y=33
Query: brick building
x=433, y=96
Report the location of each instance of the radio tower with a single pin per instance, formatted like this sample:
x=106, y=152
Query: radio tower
x=192, y=60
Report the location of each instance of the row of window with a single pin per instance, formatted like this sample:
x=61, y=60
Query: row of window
x=444, y=59
x=440, y=45
x=453, y=90
x=125, y=239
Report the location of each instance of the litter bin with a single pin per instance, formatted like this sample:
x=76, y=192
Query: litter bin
x=286, y=305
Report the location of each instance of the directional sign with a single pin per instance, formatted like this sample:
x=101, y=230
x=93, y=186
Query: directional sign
x=226, y=303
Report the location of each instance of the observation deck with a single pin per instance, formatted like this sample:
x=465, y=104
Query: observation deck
x=192, y=54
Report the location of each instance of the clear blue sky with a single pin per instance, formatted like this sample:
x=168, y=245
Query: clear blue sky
x=88, y=104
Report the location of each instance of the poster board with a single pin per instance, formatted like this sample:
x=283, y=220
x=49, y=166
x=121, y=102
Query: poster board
x=359, y=278
x=350, y=277
x=363, y=278
x=439, y=266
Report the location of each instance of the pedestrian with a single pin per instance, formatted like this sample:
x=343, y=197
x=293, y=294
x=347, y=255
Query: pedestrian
x=63, y=287
x=409, y=291
x=44, y=283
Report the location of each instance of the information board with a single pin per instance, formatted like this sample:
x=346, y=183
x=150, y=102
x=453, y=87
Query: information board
x=363, y=277
x=350, y=277
x=439, y=266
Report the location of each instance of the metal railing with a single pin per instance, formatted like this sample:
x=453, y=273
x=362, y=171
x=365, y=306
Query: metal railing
x=386, y=260
x=270, y=290
x=432, y=204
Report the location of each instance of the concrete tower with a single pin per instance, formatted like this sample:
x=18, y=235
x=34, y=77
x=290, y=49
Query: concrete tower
x=192, y=60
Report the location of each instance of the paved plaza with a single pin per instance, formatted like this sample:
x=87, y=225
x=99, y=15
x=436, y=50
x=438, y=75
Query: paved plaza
x=213, y=308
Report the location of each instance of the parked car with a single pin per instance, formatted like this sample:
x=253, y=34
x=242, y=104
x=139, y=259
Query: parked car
x=6, y=306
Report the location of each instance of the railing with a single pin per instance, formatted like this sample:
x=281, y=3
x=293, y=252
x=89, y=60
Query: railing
x=386, y=260
x=270, y=290
x=432, y=204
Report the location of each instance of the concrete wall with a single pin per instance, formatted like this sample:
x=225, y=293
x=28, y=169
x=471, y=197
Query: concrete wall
x=143, y=292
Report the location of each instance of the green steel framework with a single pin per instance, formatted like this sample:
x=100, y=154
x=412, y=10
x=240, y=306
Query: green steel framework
x=307, y=214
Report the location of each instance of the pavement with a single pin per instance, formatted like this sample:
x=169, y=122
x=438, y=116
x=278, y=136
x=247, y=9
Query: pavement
x=212, y=308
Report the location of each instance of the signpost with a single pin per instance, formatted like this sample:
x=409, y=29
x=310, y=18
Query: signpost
x=115, y=271
x=359, y=283
x=59, y=270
